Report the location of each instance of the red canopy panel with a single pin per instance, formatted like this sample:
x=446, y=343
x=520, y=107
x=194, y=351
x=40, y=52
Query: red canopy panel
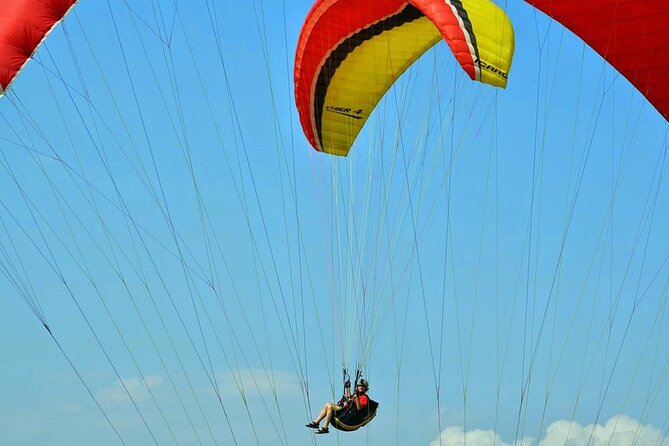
x=344, y=63
x=342, y=17
x=632, y=35
x=23, y=26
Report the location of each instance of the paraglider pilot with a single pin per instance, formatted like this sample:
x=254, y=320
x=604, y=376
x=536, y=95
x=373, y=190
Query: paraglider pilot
x=356, y=402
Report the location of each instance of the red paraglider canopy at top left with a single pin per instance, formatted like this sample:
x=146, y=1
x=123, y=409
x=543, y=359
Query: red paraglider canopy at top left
x=23, y=26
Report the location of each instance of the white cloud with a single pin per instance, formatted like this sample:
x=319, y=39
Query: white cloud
x=619, y=430
x=455, y=436
x=71, y=407
x=136, y=387
x=255, y=382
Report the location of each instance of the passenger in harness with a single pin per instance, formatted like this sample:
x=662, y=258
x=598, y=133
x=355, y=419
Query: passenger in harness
x=350, y=413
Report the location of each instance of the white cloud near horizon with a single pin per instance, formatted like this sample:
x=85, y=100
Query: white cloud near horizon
x=258, y=382
x=253, y=383
x=619, y=430
x=456, y=436
x=137, y=387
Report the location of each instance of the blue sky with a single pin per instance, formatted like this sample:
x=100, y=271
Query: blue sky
x=188, y=248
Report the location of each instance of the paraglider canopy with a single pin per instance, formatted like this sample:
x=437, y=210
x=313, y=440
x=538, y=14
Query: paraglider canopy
x=350, y=52
x=631, y=35
x=23, y=26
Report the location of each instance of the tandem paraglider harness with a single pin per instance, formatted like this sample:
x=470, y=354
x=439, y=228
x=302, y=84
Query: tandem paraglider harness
x=349, y=418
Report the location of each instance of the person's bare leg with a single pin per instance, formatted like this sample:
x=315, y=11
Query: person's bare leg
x=323, y=413
x=329, y=415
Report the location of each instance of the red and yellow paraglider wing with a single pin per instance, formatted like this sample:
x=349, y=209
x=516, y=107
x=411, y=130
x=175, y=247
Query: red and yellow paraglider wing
x=633, y=36
x=23, y=26
x=479, y=34
x=348, y=55
x=350, y=52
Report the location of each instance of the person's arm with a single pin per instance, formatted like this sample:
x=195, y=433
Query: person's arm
x=356, y=399
x=360, y=400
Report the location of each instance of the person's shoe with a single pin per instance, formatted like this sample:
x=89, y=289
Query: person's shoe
x=322, y=430
x=312, y=425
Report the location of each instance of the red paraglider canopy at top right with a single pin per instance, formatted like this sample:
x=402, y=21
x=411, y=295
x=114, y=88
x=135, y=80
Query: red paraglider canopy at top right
x=632, y=35
x=23, y=26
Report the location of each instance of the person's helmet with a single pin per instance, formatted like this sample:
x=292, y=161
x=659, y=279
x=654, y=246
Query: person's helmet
x=364, y=383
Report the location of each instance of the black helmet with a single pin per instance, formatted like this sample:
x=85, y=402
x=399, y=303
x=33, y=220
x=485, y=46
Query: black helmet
x=363, y=383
